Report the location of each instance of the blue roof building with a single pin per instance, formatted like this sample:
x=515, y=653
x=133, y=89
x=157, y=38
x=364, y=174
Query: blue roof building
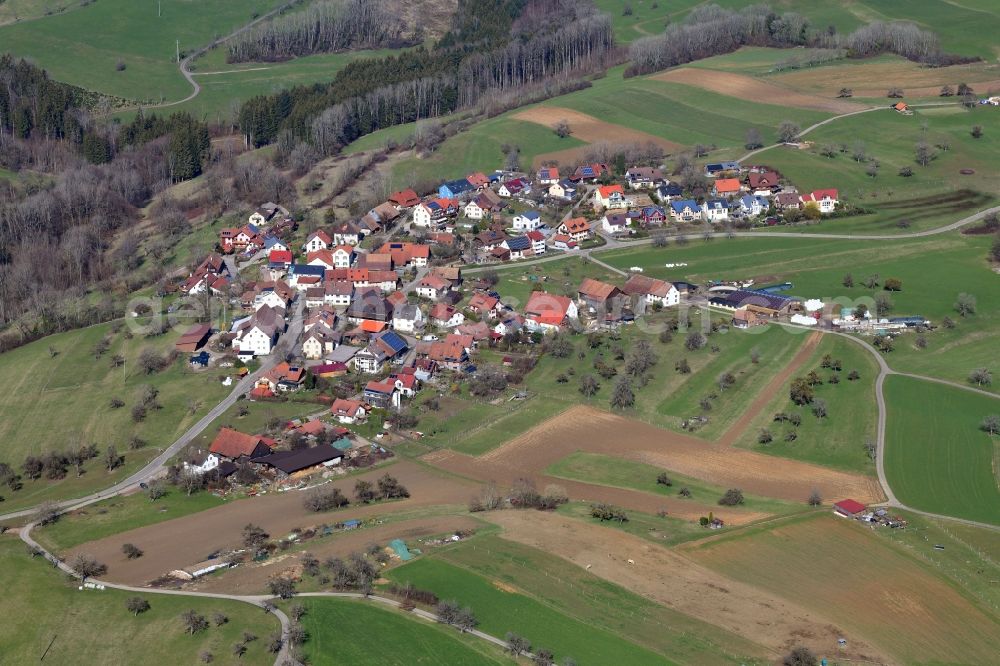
x=454, y=188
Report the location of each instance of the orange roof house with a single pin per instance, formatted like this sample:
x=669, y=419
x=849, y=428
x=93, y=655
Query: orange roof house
x=404, y=198
x=726, y=186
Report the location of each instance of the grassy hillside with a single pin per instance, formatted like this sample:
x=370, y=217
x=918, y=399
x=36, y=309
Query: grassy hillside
x=937, y=459
x=57, y=402
x=47, y=615
x=84, y=46
x=336, y=625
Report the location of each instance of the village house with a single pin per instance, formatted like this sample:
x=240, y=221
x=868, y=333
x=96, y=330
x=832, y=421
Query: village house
x=577, y=228
x=383, y=348
x=319, y=342
x=714, y=169
x=787, y=201
x=763, y=183
x=382, y=393
x=610, y=196
x=432, y=287
x=317, y=240
x=726, y=187
x=564, y=189
x=751, y=206
x=485, y=306
x=349, y=411
x=211, y=276
x=448, y=354
x=510, y=323
x=825, y=200
x=653, y=216
x=489, y=239
x=404, y=199
x=453, y=274
x=669, y=192
x=347, y=233
x=454, y=189
x=435, y=212
x=649, y=290
x=527, y=221
x=282, y=377
x=237, y=446
x=406, y=254
x=616, y=224
x=514, y=187
x=547, y=176
x=446, y=316
x=685, y=210
x=537, y=239
x=518, y=247
x=257, y=334
x=564, y=242
x=643, y=177
x=590, y=172
x=408, y=318
x=715, y=210
x=485, y=203
x=548, y=312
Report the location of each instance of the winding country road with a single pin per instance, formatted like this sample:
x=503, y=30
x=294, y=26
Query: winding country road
x=262, y=601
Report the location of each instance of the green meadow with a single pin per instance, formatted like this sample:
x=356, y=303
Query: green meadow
x=84, y=46
x=45, y=615
x=60, y=401
x=336, y=628
x=936, y=457
x=838, y=440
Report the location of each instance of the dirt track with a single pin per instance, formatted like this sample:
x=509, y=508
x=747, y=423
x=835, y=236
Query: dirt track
x=750, y=88
x=668, y=578
x=587, y=128
x=586, y=429
x=185, y=541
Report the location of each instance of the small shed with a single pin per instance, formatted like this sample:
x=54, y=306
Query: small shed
x=193, y=338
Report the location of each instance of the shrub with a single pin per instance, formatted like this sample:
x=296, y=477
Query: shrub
x=733, y=497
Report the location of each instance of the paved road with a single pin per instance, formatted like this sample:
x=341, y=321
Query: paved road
x=261, y=601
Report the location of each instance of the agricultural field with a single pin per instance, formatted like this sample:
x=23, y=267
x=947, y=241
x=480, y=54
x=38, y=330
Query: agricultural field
x=937, y=459
x=84, y=46
x=59, y=375
x=501, y=607
x=607, y=470
x=861, y=582
x=47, y=615
x=334, y=624
x=816, y=267
x=837, y=440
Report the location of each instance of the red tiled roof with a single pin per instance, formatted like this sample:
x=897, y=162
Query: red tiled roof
x=233, y=443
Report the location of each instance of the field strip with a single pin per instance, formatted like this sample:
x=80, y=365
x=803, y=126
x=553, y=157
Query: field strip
x=587, y=128
x=750, y=88
x=764, y=396
x=673, y=580
x=593, y=431
x=231, y=71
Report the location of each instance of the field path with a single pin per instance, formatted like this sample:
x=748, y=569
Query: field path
x=736, y=430
x=748, y=87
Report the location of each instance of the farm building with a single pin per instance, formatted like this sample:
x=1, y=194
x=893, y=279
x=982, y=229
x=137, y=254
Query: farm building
x=193, y=338
x=763, y=303
x=849, y=508
x=288, y=463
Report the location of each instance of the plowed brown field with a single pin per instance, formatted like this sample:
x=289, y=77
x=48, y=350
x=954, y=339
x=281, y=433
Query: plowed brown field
x=750, y=88
x=586, y=429
x=671, y=579
x=185, y=541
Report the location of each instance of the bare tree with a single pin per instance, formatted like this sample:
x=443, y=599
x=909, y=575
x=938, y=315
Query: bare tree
x=136, y=605
x=788, y=131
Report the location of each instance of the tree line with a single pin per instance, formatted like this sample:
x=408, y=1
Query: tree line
x=375, y=93
x=711, y=30
x=324, y=27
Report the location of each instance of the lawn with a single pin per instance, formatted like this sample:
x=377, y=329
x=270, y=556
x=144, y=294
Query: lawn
x=570, y=590
x=934, y=271
x=868, y=585
x=937, y=459
x=335, y=628
x=838, y=440
x=500, y=609
x=647, y=17
x=62, y=401
x=45, y=614
x=561, y=277
x=609, y=471
x=120, y=514
x=83, y=46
